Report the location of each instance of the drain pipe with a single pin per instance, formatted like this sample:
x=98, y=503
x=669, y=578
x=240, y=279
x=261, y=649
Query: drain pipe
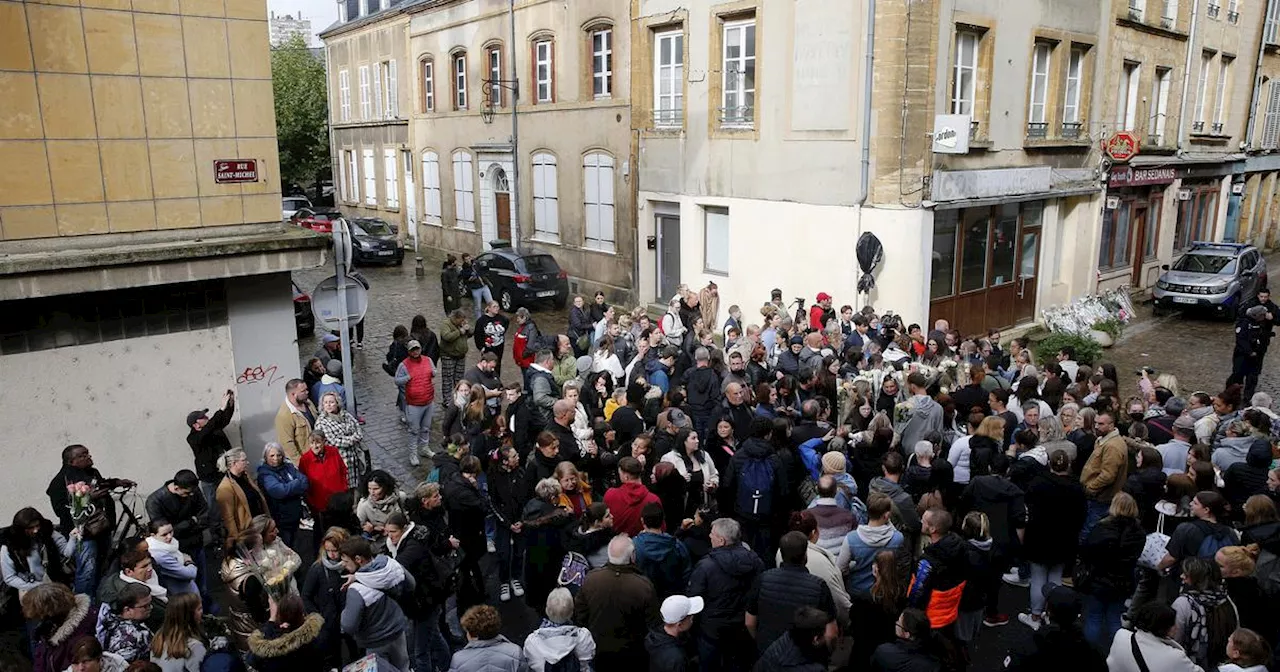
x=1186, y=73
x=864, y=188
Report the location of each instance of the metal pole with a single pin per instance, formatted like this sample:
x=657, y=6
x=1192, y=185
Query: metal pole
x=515, y=136
x=340, y=237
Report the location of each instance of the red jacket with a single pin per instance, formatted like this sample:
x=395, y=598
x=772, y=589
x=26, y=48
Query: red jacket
x=625, y=503
x=520, y=348
x=815, y=317
x=325, y=477
x=421, y=388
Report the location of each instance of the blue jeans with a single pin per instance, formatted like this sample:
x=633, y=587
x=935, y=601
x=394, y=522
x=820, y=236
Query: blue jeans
x=430, y=650
x=510, y=552
x=1040, y=576
x=1094, y=512
x=1101, y=620
x=480, y=298
x=86, y=581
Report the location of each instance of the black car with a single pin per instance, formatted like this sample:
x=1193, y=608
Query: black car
x=522, y=278
x=374, y=242
x=302, y=315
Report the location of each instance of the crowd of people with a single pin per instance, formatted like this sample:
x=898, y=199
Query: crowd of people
x=675, y=494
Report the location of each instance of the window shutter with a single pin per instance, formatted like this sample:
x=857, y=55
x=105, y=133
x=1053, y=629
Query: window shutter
x=377, y=92
x=393, y=92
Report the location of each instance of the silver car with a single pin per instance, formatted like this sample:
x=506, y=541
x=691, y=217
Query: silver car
x=292, y=204
x=1212, y=276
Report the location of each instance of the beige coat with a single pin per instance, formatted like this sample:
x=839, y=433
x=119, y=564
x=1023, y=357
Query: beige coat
x=293, y=430
x=1105, y=472
x=233, y=504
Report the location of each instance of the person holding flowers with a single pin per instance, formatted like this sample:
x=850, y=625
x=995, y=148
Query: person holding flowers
x=79, y=496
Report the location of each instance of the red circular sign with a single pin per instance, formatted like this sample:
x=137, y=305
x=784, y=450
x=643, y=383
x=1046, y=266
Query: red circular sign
x=1122, y=146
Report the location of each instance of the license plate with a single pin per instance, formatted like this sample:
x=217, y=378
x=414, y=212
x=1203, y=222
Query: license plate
x=385, y=253
x=1185, y=299
x=548, y=293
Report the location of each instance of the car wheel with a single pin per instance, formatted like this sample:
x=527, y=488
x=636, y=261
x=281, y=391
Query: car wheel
x=506, y=301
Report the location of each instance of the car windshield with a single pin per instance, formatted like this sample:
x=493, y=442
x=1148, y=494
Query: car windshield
x=541, y=263
x=373, y=227
x=1206, y=263
x=322, y=217
x=295, y=203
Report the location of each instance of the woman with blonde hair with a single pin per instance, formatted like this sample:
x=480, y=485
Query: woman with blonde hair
x=342, y=431
x=180, y=645
x=1104, y=571
x=239, y=497
x=322, y=593
x=575, y=492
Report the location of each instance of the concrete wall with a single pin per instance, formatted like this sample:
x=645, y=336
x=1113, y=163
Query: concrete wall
x=126, y=400
x=111, y=120
x=265, y=351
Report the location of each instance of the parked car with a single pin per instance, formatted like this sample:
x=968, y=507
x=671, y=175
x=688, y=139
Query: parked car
x=522, y=278
x=290, y=205
x=1212, y=276
x=319, y=220
x=374, y=242
x=302, y=315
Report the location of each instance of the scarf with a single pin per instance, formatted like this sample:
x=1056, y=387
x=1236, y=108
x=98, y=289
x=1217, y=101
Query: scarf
x=341, y=429
x=331, y=565
x=1201, y=601
x=157, y=591
x=876, y=536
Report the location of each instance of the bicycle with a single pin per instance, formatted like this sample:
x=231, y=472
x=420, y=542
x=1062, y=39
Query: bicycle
x=128, y=522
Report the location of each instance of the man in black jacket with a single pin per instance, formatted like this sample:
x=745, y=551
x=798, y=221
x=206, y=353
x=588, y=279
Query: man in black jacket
x=734, y=408
x=779, y=592
x=178, y=503
x=702, y=391
x=666, y=645
x=491, y=332
x=208, y=442
x=626, y=421
x=754, y=487
x=805, y=648
x=520, y=419
x=506, y=494
x=77, y=467
x=541, y=464
x=1060, y=645
x=723, y=579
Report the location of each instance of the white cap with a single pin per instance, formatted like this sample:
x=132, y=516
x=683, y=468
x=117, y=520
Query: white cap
x=677, y=607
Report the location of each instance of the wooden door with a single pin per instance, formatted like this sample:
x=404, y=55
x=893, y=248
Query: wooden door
x=1002, y=292
x=1138, y=235
x=502, y=204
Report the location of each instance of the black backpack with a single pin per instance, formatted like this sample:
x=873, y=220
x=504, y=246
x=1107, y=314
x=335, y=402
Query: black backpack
x=755, y=488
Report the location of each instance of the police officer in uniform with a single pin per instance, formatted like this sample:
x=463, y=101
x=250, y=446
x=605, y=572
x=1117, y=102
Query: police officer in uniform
x=1253, y=330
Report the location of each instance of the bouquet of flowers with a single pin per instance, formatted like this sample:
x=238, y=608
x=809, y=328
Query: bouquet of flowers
x=274, y=566
x=87, y=516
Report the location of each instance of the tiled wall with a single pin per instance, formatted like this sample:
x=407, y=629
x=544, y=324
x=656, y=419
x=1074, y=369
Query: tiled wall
x=112, y=113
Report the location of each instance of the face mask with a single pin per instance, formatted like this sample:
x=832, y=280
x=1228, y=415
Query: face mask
x=1136, y=417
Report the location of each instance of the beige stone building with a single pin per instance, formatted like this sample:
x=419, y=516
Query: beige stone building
x=369, y=107
x=568, y=186
x=144, y=269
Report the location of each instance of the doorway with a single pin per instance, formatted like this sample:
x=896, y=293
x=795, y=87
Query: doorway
x=668, y=227
x=502, y=203
x=1142, y=227
x=410, y=199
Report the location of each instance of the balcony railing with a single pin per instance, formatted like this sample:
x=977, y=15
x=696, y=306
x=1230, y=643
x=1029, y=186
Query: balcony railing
x=1214, y=10
x=973, y=130
x=668, y=118
x=1217, y=128
x=1233, y=17
x=1135, y=14
x=1167, y=22
x=1071, y=130
x=741, y=116
x=1037, y=130
x=1197, y=127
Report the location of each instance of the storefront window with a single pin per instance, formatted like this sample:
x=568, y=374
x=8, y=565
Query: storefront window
x=1004, y=247
x=943, y=278
x=1114, y=251
x=1151, y=234
x=1196, y=216
x=973, y=259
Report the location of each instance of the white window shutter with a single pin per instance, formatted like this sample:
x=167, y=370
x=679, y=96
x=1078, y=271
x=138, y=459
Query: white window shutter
x=377, y=91
x=393, y=93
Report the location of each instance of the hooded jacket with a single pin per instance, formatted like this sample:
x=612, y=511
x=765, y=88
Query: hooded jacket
x=617, y=604
x=1004, y=505
x=940, y=579
x=904, y=507
x=488, y=655
x=665, y=560
x=273, y=649
x=625, y=503
x=752, y=449
x=1159, y=653
x=723, y=579
x=1231, y=450
x=1055, y=513
x=1108, y=556
x=53, y=652
x=1244, y=479
x=926, y=416
x=784, y=656
x=371, y=615
x=666, y=653
x=551, y=643
x=859, y=551
x=702, y=391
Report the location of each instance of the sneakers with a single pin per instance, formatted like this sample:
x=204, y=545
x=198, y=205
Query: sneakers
x=1011, y=578
x=493, y=549
x=360, y=419
x=996, y=621
x=359, y=345
x=505, y=592
x=1030, y=621
x=414, y=460
x=517, y=588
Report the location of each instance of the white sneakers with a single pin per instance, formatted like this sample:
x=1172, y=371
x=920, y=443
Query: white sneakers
x=1011, y=578
x=517, y=588
x=504, y=593
x=1030, y=621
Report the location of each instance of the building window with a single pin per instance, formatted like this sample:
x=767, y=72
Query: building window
x=1151, y=232
x=344, y=95
x=1169, y=13
x=353, y=177
x=366, y=104
x=946, y=232
x=387, y=90
x=1114, y=250
x=1160, y=94
x=1202, y=95
x=1127, y=110
x=715, y=240
x=668, y=75
x=1224, y=90
x=1271, y=120
x=1272, y=25
x=370, y=178
x=597, y=175
x=433, y=213
x=602, y=63
x=495, y=75
x=1233, y=11
x=739, y=67
x=391, y=178
x=544, y=71
x=1135, y=9
x=546, y=199
x=1040, y=64
x=1075, y=76
x=965, y=75
x=1196, y=215
x=428, y=85
x=460, y=81
x=464, y=199
x=344, y=190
